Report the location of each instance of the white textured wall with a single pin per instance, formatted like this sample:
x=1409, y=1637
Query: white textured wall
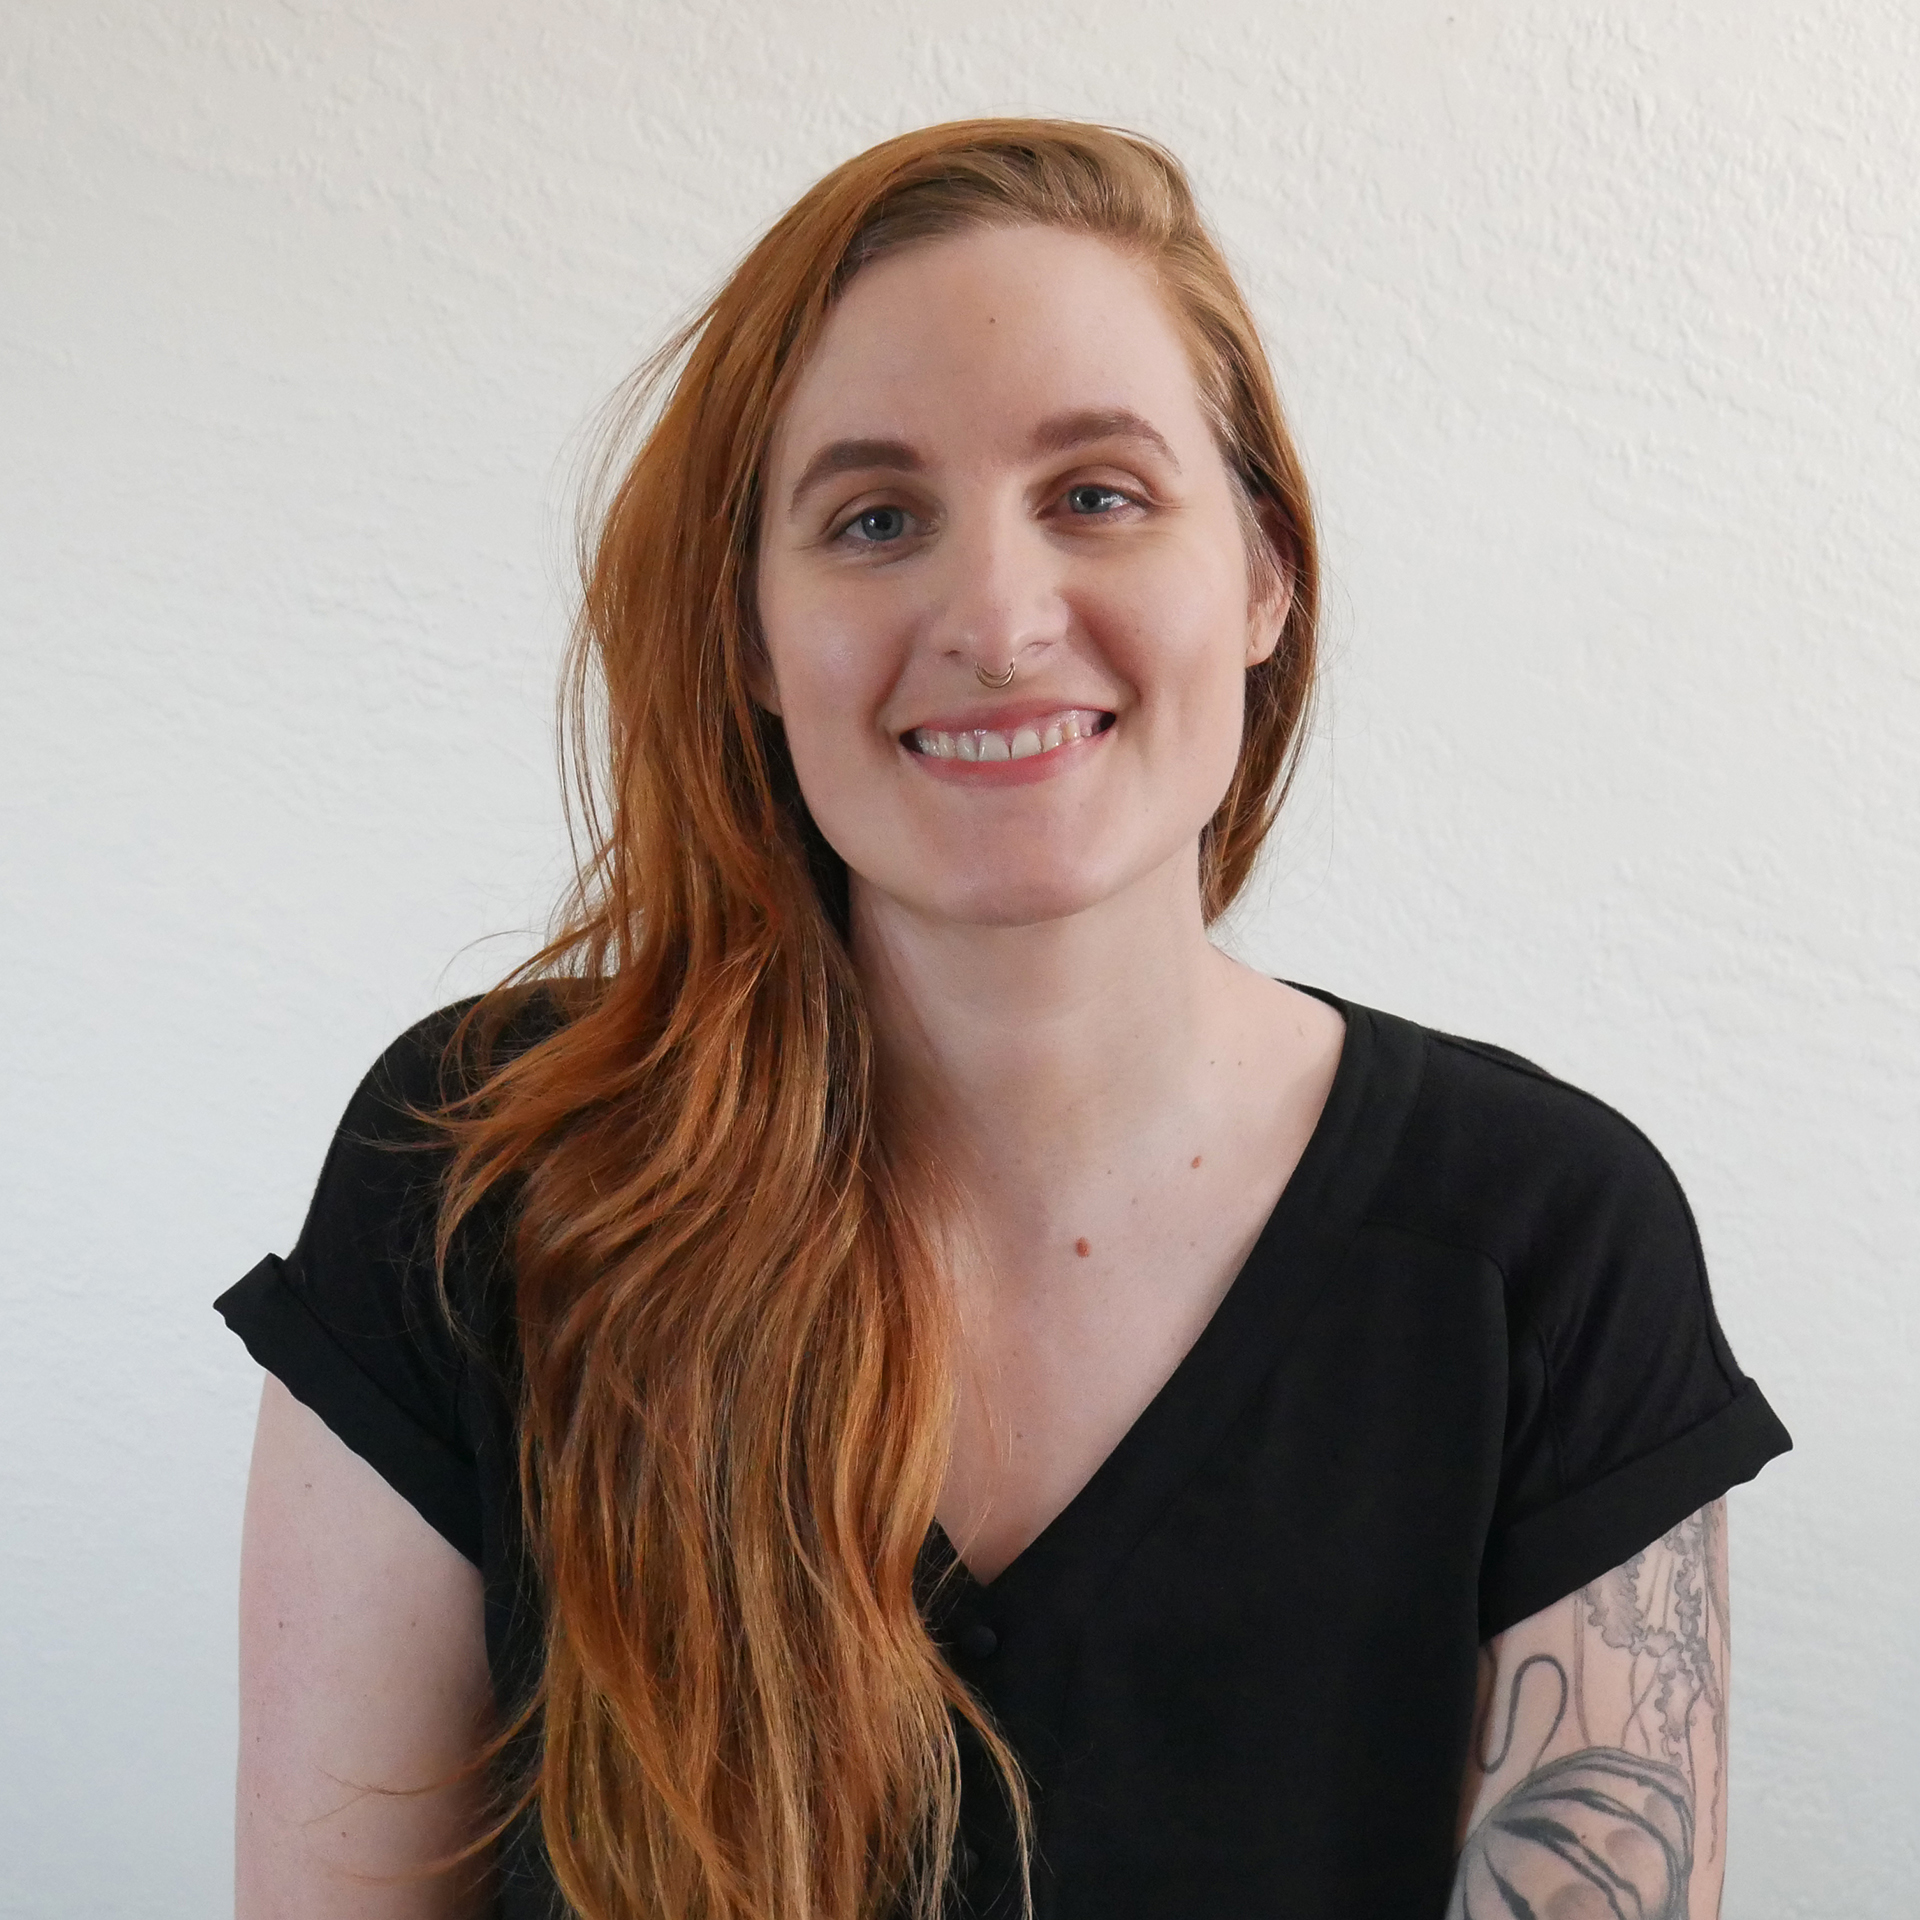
x=1599, y=324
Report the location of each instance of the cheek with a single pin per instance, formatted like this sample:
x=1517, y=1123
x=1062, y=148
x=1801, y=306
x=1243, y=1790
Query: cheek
x=818, y=658
x=1190, y=651
x=830, y=675
x=1191, y=665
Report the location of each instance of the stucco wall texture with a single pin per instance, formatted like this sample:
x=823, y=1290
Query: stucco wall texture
x=1598, y=327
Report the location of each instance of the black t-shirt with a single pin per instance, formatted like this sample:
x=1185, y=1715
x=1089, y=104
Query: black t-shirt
x=1470, y=1365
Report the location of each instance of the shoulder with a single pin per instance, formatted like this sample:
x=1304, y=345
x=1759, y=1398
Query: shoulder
x=388, y=1154
x=370, y=1230
x=404, y=1356
x=1624, y=1409
x=1499, y=1123
x=1560, y=1191
x=448, y=1055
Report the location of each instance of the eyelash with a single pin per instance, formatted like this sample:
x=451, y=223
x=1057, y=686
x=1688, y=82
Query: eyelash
x=1116, y=494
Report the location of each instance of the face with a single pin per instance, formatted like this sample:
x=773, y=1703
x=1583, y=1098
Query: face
x=997, y=458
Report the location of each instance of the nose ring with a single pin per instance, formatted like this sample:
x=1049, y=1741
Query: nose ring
x=987, y=680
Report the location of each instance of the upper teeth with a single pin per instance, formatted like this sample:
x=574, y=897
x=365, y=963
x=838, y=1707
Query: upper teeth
x=1016, y=743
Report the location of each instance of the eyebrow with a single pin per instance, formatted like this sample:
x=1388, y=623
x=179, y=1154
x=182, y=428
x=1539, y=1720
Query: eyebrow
x=1063, y=432
x=1059, y=433
x=854, y=456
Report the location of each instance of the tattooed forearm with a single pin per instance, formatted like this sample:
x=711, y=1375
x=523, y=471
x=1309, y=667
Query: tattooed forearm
x=1601, y=1752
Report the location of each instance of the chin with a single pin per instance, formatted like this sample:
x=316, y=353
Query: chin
x=998, y=898
x=1032, y=882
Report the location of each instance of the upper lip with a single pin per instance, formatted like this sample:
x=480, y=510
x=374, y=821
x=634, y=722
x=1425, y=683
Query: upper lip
x=1003, y=716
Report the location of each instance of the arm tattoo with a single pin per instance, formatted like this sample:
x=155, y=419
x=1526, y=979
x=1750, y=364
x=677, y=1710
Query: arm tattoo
x=1604, y=1829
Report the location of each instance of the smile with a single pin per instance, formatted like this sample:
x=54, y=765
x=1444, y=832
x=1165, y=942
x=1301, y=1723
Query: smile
x=1046, y=733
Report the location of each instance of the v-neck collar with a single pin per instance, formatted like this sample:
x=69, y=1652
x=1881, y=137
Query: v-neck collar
x=1079, y=1550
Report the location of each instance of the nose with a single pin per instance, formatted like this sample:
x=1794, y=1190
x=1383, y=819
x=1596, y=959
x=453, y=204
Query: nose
x=1000, y=599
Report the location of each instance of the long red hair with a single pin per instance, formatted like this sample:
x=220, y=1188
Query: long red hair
x=737, y=1381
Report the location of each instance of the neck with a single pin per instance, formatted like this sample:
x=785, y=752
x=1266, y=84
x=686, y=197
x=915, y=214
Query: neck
x=1031, y=1055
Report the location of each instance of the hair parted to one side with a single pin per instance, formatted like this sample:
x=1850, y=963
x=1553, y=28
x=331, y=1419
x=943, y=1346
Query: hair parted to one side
x=737, y=1372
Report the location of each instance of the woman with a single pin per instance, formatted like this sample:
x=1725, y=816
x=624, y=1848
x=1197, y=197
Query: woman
x=889, y=1375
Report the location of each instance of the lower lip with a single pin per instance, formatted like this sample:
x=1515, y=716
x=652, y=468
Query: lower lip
x=1008, y=773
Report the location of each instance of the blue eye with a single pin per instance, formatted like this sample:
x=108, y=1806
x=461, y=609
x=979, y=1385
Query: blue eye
x=1092, y=500
x=878, y=525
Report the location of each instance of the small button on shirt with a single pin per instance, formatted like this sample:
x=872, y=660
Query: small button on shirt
x=978, y=1641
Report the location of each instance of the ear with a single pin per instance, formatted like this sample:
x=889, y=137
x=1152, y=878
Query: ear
x=760, y=681
x=1272, y=583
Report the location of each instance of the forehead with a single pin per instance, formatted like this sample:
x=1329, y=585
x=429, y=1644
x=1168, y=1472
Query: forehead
x=963, y=341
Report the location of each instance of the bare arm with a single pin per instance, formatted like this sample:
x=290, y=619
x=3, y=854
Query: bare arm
x=1597, y=1784
x=362, y=1667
